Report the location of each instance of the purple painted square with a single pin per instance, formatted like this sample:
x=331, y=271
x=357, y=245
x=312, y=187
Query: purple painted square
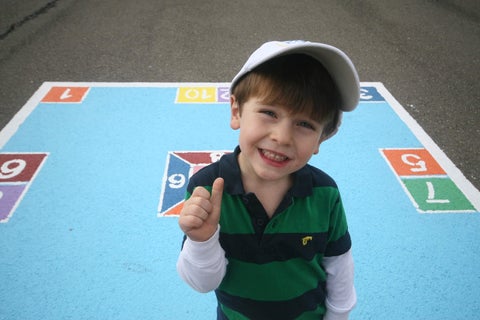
x=223, y=94
x=9, y=195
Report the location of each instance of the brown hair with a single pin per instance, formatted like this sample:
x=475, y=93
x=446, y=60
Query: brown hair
x=296, y=81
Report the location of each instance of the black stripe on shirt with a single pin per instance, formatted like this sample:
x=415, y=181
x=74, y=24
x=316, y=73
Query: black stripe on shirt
x=273, y=247
x=278, y=310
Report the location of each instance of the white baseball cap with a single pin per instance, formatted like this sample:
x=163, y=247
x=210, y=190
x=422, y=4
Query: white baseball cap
x=337, y=63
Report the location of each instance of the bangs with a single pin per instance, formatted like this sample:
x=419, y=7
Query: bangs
x=297, y=82
x=296, y=99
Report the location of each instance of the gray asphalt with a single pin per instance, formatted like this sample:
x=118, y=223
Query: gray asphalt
x=427, y=53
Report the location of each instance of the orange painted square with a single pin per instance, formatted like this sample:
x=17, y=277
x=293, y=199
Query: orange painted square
x=65, y=94
x=175, y=211
x=412, y=162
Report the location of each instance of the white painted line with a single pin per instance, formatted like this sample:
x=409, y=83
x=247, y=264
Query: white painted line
x=468, y=189
x=12, y=126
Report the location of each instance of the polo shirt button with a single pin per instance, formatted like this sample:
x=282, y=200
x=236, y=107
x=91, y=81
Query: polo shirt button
x=260, y=222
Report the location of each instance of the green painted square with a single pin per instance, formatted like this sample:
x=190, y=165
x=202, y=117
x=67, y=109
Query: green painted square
x=433, y=194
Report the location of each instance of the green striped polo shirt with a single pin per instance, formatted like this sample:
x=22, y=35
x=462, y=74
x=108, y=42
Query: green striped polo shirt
x=274, y=266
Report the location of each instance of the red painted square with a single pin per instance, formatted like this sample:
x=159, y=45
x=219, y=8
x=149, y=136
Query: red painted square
x=412, y=162
x=19, y=167
x=66, y=94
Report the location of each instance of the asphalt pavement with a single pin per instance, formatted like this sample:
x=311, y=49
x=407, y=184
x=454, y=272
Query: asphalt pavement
x=427, y=53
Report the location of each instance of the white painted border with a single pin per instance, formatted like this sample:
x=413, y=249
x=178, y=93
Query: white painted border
x=407, y=192
x=12, y=126
x=468, y=189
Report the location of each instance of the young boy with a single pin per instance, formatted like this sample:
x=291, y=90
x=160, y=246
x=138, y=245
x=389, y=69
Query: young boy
x=263, y=228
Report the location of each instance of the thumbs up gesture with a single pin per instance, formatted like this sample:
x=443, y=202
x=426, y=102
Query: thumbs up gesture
x=201, y=212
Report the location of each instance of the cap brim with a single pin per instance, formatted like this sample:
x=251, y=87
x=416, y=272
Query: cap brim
x=337, y=63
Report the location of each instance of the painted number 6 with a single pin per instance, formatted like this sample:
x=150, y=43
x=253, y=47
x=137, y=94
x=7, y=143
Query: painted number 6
x=176, y=181
x=12, y=168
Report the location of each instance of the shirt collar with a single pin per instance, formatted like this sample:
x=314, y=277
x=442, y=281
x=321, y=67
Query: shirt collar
x=230, y=171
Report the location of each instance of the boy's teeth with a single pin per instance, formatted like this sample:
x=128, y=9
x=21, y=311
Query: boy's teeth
x=274, y=156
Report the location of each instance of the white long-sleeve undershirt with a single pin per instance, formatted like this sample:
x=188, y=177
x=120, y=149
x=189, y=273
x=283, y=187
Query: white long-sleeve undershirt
x=202, y=265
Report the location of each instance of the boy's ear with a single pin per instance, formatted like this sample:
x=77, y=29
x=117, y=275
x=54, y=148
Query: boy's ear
x=317, y=150
x=234, y=113
x=331, y=134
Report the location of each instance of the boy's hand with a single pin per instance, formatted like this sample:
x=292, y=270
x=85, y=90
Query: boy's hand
x=201, y=212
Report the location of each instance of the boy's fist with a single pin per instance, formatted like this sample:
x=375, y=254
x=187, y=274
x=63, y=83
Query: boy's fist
x=201, y=212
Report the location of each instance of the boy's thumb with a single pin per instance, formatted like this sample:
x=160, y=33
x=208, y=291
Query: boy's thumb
x=216, y=197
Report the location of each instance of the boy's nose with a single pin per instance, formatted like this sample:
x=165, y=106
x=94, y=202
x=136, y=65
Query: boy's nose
x=282, y=134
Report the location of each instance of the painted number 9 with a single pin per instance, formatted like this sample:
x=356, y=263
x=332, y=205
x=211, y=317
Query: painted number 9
x=12, y=168
x=176, y=181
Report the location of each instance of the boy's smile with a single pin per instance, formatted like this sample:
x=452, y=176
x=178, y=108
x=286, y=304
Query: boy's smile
x=274, y=158
x=274, y=142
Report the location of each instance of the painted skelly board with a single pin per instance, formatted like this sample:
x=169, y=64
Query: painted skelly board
x=92, y=176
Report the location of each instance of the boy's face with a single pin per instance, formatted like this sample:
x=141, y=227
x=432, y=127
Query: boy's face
x=274, y=143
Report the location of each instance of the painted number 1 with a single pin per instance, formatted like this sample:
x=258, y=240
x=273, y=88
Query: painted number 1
x=431, y=194
x=197, y=94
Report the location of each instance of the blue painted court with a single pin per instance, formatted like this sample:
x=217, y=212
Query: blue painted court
x=92, y=176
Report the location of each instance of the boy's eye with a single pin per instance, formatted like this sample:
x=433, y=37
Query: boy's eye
x=268, y=113
x=306, y=124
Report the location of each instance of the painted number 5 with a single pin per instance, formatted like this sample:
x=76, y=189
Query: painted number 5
x=12, y=168
x=416, y=162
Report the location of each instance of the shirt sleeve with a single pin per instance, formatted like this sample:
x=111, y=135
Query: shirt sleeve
x=341, y=295
x=202, y=265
